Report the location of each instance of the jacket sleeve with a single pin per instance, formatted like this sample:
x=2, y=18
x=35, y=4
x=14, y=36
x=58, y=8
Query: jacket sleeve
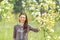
x=14, y=33
x=33, y=29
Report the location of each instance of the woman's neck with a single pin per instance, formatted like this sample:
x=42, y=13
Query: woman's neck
x=21, y=24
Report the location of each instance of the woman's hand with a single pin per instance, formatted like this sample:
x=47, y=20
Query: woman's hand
x=39, y=29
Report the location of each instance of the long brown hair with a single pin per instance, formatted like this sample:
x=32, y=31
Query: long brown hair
x=25, y=23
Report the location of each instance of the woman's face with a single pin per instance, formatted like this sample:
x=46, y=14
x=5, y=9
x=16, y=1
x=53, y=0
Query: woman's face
x=22, y=18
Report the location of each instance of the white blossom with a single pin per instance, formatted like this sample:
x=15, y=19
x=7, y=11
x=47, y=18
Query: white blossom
x=34, y=0
x=8, y=17
x=57, y=6
x=49, y=37
x=59, y=37
x=23, y=2
x=51, y=30
x=0, y=9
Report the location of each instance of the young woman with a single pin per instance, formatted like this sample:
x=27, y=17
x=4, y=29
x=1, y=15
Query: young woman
x=21, y=30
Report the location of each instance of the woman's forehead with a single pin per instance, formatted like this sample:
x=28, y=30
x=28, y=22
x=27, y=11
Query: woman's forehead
x=22, y=16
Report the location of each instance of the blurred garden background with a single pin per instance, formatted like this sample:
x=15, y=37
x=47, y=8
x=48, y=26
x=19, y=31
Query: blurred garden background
x=42, y=14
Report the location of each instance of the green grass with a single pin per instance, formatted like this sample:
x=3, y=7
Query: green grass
x=6, y=31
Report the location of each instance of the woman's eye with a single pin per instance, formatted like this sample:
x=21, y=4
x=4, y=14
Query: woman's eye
x=23, y=17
